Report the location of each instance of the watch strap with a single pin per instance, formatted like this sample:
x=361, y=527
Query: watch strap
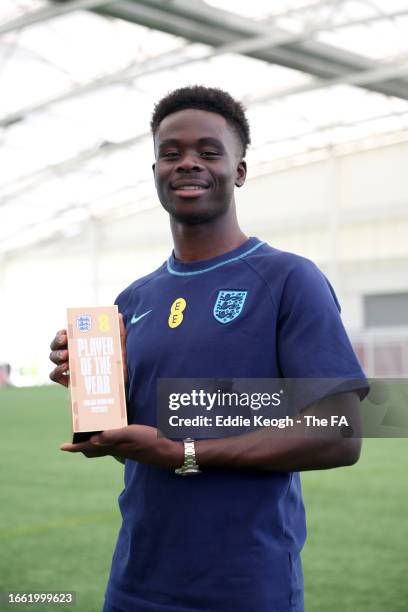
x=190, y=466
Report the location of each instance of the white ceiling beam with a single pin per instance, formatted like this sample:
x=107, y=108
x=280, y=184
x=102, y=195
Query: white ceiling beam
x=362, y=77
x=156, y=65
x=215, y=27
x=293, y=12
x=21, y=184
x=273, y=40
x=124, y=75
x=49, y=12
x=332, y=126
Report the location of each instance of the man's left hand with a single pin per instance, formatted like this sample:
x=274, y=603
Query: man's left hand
x=137, y=442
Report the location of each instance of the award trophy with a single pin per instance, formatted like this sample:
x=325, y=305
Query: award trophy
x=96, y=371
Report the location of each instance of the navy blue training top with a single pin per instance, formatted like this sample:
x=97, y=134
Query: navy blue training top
x=225, y=540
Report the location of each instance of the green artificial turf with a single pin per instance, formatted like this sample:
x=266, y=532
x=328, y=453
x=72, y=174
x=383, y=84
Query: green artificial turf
x=355, y=558
x=59, y=516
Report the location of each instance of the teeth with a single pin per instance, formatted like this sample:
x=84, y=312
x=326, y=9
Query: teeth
x=190, y=187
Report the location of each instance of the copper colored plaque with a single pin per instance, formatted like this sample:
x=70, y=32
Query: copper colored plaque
x=96, y=369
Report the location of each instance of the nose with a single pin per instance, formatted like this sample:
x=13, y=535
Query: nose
x=189, y=162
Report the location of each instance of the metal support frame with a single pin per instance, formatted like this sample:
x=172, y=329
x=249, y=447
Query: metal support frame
x=30, y=181
x=247, y=45
x=363, y=78
x=198, y=22
x=125, y=75
x=49, y=12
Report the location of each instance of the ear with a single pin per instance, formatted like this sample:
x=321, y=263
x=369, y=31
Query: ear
x=241, y=173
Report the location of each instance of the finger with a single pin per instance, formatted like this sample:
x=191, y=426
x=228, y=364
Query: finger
x=123, y=450
x=86, y=448
x=60, y=341
x=59, y=357
x=97, y=452
x=90, y=454
x=86, y=445
x=122, y=329
x=60, y=374
x=94, y=454
x=112, y=437
x=79, y=447
x=123, y=333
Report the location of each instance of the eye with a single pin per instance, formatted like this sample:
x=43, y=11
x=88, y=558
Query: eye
x=170, y=154
x=210, y=154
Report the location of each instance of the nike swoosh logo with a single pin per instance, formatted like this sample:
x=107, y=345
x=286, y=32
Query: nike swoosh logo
x=135, y=319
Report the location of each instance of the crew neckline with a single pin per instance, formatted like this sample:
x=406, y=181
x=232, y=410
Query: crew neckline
x=182, y=268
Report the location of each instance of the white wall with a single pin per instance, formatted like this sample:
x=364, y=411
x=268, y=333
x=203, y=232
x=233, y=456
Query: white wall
x=348, y=213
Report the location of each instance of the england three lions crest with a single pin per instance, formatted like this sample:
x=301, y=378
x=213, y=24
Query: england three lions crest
x=229, y=305
x=84, y=323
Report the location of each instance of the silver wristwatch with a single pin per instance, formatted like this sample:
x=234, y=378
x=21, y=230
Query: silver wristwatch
x=190, y=466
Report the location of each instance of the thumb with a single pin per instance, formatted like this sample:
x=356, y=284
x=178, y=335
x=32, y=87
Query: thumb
x=109, y=437
x=123, y=333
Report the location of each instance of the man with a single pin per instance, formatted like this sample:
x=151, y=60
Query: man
x=229, y=538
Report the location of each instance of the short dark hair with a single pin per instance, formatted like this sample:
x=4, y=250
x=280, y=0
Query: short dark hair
x=209, y=99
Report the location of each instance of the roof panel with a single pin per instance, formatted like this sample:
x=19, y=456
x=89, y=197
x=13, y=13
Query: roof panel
x=90, y=153
x=10, y=9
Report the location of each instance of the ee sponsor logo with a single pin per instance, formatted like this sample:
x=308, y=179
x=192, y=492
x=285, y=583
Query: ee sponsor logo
x=176, y=312
x=103, y=321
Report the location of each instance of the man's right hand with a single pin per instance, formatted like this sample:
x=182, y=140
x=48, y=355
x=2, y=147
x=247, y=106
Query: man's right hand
x=59, y=354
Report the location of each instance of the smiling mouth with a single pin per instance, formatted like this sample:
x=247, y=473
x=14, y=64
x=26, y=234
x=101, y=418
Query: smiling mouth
x=190, y=190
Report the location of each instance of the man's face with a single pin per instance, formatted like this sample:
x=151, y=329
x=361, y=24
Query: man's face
x=198, y=163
